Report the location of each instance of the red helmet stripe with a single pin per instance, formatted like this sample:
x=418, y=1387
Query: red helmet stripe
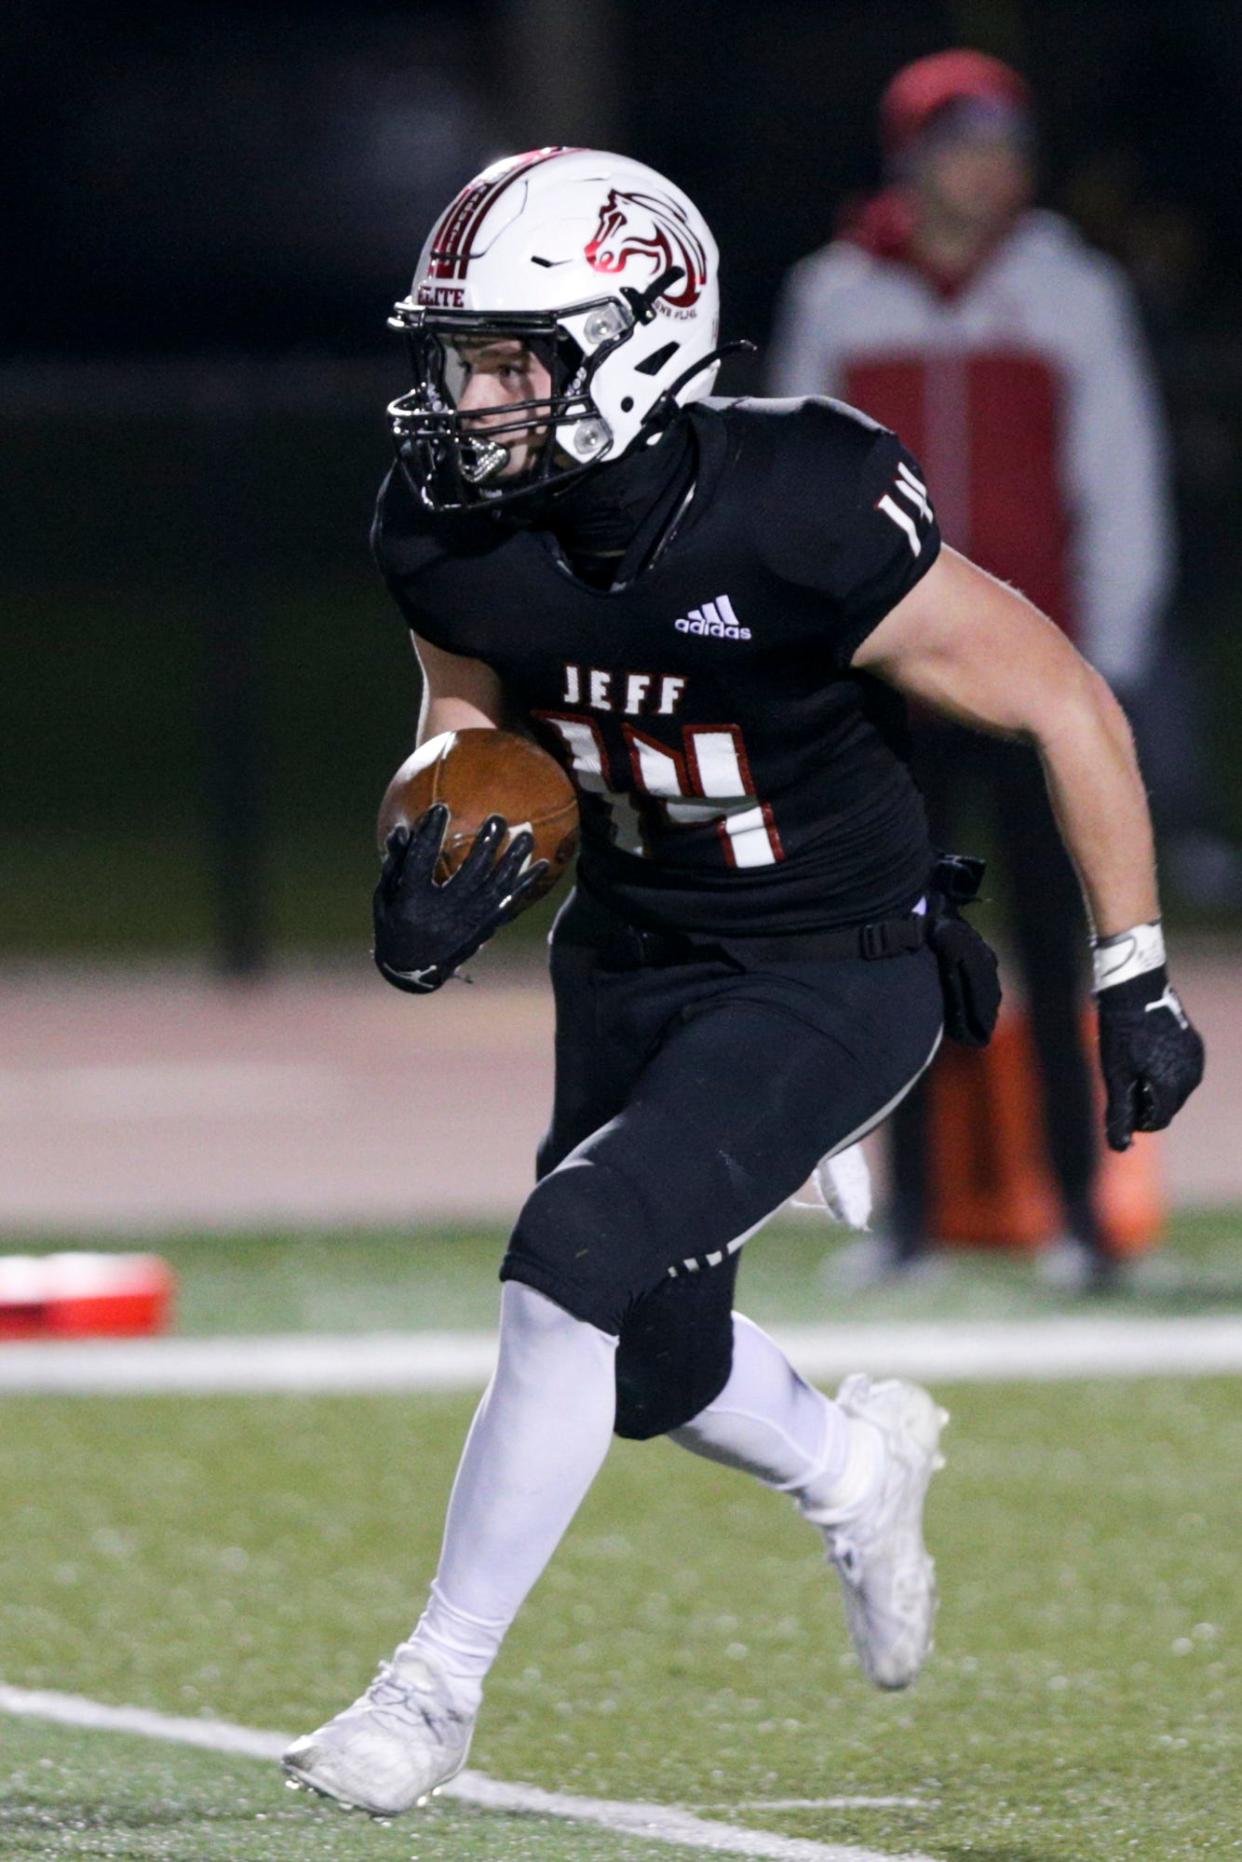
x=457, y=216
x=520, y=166
x=452, y=247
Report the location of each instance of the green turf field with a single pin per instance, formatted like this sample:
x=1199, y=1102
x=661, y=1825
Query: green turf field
x=445, y=1277
x=250, y=1558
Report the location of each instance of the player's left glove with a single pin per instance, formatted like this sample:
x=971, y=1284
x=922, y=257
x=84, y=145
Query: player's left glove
x=1150, y=1054
x=425, y=928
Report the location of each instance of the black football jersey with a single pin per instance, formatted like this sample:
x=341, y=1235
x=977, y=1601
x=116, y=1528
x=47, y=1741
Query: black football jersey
x=735, y=775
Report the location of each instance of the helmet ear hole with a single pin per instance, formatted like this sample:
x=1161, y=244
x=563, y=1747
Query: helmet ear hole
x=652, y=364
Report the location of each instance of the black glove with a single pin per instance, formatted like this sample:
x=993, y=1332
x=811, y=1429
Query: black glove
x=423, y=930
x=1150, y=1055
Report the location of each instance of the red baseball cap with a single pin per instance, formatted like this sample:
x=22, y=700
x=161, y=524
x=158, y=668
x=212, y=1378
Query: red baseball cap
x=920, y=91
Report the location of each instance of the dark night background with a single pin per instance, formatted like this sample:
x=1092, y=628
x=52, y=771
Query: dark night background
x=211, y=209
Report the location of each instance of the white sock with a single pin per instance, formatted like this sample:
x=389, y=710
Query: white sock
x=536, y=1443
x=769, y=1422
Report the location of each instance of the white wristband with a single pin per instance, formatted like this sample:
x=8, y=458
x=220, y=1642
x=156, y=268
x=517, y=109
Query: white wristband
x=1128, y=954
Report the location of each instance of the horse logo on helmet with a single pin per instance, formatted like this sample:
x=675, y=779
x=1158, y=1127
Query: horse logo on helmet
x=653, y=230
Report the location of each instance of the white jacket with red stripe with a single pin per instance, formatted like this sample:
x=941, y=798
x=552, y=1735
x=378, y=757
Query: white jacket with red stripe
x=1029, y=398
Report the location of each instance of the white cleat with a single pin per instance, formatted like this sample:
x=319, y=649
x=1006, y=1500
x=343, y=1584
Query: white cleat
x=888, y=1578
x=394, y=1748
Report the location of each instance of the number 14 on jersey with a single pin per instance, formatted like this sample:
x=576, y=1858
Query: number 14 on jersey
x=706, y=780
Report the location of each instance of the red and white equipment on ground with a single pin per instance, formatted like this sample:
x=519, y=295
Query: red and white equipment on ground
x=84, y=1295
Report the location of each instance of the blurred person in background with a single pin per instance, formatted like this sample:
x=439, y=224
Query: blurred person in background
x=1008, y=354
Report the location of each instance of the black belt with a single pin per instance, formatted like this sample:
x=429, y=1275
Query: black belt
x=631, y=948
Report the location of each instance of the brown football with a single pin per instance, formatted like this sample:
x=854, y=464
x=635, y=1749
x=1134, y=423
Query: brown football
x=477, y=773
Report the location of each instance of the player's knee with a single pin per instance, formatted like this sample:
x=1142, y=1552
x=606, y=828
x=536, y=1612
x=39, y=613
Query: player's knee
x=655, y=1395
x=674, y=1358
x=578, y=1240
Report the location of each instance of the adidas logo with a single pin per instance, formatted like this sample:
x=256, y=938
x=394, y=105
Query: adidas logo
x=715, y=618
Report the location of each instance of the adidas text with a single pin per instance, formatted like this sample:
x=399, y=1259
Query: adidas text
x=715, y=618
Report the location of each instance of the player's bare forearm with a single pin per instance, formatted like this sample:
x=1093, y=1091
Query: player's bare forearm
x=459, y=694
x=977, y=651
x=450, y=714
x=1101, y=806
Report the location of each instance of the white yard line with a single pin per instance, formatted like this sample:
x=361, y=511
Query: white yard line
x=654, y=1823
x=295, y=1362
x=827, y=1803
x=76, y=1710
x=984, y=1351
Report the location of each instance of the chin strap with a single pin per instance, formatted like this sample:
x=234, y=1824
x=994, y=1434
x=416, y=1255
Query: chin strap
x=666, y=405
x=642, y=303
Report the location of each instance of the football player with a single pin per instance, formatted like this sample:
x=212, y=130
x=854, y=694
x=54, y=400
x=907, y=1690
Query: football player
x=711, y=611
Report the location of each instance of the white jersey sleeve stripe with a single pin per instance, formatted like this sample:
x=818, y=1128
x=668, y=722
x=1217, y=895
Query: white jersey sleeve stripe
x=903, y=521
x=914, y=490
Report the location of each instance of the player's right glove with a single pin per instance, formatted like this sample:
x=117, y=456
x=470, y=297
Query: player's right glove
x=1150, y=1054
x=423, y=928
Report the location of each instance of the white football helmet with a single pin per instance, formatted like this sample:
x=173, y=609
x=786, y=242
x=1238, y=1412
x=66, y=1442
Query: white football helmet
x=605, y=270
